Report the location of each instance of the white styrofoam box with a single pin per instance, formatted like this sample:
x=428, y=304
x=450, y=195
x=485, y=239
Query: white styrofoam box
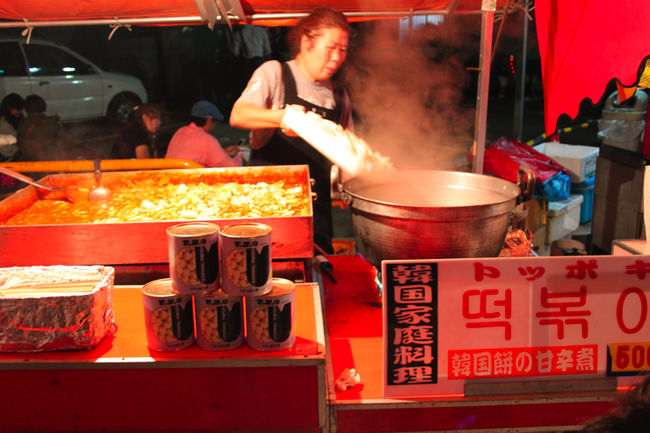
x=563, y=217
x=578, y=159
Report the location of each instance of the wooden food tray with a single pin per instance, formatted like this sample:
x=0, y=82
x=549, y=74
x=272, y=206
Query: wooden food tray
x=140, y=242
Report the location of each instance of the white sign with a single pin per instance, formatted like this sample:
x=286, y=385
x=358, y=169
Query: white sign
x=450, y=321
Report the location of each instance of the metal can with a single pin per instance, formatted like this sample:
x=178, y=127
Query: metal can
x=270, y=317
x=194, y=257
x=168, y=316
x=245, y=258
x=219, y=320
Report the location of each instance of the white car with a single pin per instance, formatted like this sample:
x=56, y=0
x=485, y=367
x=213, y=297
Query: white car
x=73, y=87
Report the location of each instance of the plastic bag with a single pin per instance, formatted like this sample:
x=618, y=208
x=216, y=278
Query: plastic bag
x=504, y=157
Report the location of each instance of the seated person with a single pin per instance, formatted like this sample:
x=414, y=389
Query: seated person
x=194, y=142
x=137, y=137
x=41, y=137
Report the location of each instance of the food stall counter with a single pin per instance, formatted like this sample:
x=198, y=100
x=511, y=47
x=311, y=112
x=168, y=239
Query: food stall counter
x=121, y=385
x=354, y=334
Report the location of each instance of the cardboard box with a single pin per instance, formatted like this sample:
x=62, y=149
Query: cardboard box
x=579, y=160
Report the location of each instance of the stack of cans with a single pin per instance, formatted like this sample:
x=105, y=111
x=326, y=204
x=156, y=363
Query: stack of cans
x=213, y=273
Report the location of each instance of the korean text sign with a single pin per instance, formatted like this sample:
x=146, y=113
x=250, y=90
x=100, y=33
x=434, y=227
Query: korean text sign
x=511, y=319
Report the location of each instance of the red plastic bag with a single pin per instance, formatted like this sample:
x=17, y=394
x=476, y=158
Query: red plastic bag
x=504, y=157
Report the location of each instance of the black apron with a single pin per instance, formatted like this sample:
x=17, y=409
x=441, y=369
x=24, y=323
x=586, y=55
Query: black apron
x=285, y=150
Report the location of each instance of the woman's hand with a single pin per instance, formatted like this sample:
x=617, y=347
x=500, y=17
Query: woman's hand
x=286, y=129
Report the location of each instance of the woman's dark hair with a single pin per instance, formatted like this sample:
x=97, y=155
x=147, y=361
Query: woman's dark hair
x=150, y=109
x=12, y=101
x=35, y=104
x=313, y=25
x=631, y=416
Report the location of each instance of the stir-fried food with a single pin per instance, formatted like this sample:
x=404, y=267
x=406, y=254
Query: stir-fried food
x=162, y=198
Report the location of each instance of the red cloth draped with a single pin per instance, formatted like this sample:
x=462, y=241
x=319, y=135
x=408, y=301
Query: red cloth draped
x=584, y=44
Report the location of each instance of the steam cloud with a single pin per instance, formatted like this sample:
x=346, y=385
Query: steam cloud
x=408, y=95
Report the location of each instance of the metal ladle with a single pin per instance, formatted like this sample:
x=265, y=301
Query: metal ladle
x=60, y=192
x=98, y=192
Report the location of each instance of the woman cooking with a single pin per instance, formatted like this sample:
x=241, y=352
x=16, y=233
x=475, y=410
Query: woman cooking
x=320, y=43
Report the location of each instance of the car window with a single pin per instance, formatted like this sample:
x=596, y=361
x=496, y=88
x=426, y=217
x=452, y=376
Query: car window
x=12, y=63
x=46, y=60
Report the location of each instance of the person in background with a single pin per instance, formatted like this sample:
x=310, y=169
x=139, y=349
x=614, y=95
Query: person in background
x=320, y=44
x=41, y=137
x=137, y=137
x=251, y=45
x=11, y=111
x=196, y=143
x=631, y=416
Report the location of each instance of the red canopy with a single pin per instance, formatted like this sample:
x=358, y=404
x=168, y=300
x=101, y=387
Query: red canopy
x=583, y=45
x=48, y=10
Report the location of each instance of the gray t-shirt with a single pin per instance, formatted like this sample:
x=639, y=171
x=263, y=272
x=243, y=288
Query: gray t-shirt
x=266, y=89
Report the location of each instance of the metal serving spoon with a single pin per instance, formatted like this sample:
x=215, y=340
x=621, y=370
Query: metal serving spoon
x=23, y=178
x=98, y=192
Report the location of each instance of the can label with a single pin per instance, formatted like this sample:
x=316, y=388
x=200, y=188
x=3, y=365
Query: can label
x=270, y=318
x=246, y=259
x=194, y=257
x=219, y=320
x=168, y=317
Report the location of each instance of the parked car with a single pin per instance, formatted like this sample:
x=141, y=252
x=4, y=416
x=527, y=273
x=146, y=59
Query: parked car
x=73, y=87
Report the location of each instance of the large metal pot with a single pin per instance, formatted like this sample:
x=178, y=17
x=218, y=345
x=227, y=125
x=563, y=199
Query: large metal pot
x=429, y=214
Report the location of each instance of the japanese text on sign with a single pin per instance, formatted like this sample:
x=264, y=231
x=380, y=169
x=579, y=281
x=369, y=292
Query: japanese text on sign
x=522, y=361
x=514, y=318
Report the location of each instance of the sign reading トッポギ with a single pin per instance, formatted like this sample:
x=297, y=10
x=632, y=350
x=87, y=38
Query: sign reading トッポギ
x=512, y=319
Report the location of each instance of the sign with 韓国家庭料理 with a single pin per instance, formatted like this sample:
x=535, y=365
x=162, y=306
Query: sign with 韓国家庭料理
x=453, y=321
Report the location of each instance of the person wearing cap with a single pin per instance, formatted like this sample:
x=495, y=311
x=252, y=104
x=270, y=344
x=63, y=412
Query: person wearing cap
x=195, y=142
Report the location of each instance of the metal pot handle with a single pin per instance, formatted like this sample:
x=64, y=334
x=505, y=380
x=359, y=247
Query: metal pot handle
x=336, y=182
x=338, y=192
x=526, y=183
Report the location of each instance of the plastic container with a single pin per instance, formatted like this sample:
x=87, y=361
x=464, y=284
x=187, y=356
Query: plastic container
x=579, y=160
x=568, y=247
x=586, y=190
x=563, y=217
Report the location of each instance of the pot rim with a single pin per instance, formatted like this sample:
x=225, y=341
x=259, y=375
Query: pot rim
x=507, y=190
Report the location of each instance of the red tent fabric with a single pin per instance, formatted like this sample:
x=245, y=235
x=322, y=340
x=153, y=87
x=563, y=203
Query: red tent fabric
x=49, y=10
x=584, y=44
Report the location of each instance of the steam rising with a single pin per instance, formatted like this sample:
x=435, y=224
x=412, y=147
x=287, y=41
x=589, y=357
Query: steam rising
x=408, y=96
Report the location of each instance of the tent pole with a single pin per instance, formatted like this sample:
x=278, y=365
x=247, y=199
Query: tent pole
x=520, y=91
x=480, y=129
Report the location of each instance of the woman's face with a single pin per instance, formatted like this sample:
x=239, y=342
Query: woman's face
x=16, y=112
x=152, y=123
x=324, y=55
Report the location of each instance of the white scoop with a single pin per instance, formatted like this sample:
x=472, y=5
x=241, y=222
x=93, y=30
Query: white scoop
x=339, y=145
